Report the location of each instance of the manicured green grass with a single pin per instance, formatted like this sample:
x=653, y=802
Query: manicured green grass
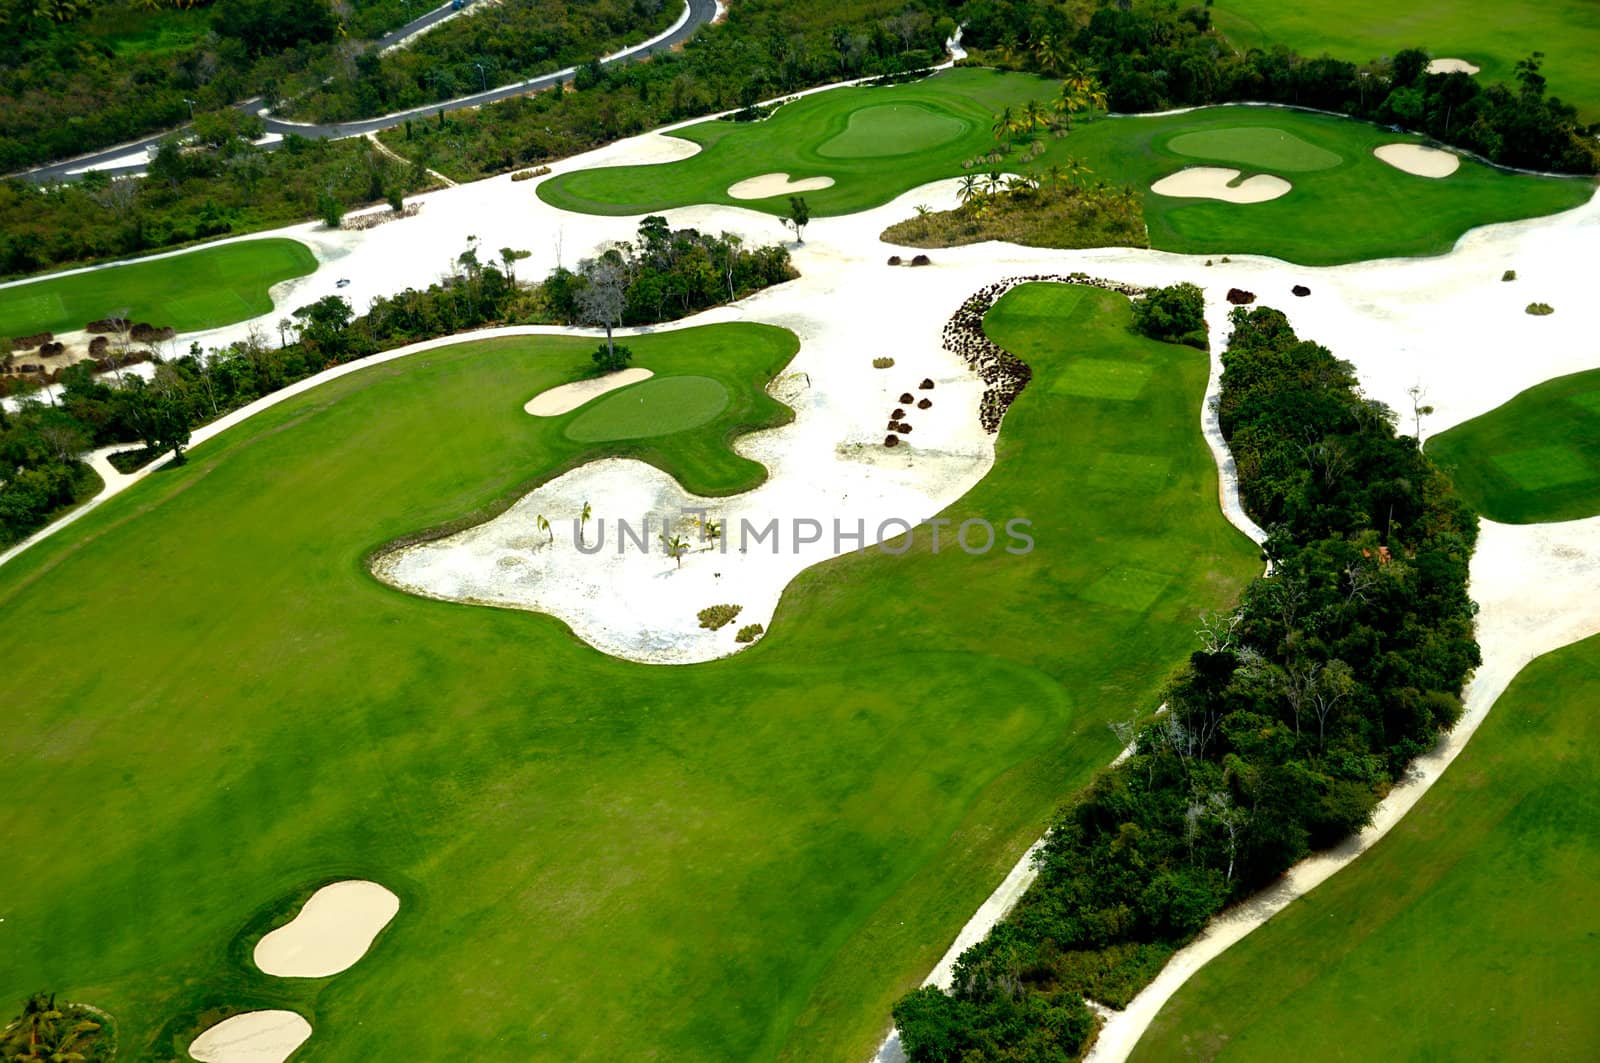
x=1258, y=147
x=1493, y=36
x=1345, y=206
x=1469, y=933
x=742, y=860
x=893, y=129
x=201, y=289
x=1535, y=459
x=656, y=407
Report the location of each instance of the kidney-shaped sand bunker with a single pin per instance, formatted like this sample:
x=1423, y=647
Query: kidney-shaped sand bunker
x=332, y=931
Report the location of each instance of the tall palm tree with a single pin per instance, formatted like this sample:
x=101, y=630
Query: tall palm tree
x=1076, y=169
x=1032, y=116
x=1054, y=178
x=992, y=182
x=968, y=191
x=1095, y=94
x=1051, y=53
x=1004, y=123
x=584, y=522
x=1070, y=102
x=1079, y=76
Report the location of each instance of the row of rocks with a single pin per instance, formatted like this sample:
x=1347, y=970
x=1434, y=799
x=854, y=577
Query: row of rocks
x=1004, y=372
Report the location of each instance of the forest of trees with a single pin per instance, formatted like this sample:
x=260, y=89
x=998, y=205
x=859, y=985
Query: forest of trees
x=664, y=274
x=1302, y=707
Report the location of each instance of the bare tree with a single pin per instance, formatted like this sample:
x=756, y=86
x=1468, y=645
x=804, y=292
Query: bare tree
x=1221, y=809
x=603, y=299
x=1217, y=630
x=1419, y=409
x=119, y=196
x=1333, y=687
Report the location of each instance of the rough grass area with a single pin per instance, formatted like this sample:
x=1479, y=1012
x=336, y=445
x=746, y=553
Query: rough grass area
x=1075, y=219
x=1468, y=933
x=1535, y=459
x=1492, y=35
x=207, y=288
x=748, y=859
x=1345, y=206
x=659, y=406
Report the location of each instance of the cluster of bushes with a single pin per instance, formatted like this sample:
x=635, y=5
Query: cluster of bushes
x=498, y=44
x=763, y=49
x=1302, y=708
x=1174, y=314
x=47, y=1030
x=713, y=617
x=1046, y=209
x=1154, y=56
x=193, y=195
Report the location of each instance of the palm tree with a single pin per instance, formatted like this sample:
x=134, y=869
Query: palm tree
x=1069, y=102
x=544, y=526
x=1076, y=169
x=1004, y=122
x=584, y=522
x=675, y=548
x=992, y=182
x=1095, y=93
x=46, y=1032
x=1032, y=116
x=1054, y=178
x=1051, y=53
x=1078, y=76
x=968, y=191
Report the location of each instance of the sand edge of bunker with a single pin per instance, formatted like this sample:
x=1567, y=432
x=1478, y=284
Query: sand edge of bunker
x=330, y=933
x=1451, y=65
x=564, y=398
x=1419, y=160
x=1216, y=182
x=768, y=185
x=252, y=1037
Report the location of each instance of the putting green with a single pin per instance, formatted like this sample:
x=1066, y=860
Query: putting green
x=1336, y=176
x=893, y=129
x=797, y=831
x=1534, y=459
x=1469, y=933
x=656, y=407
x=1255, y=147
x=206, y=288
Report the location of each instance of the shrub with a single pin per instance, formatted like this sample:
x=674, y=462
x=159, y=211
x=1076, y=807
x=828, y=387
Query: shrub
x=926, y=385
x=1541, y=309
x=1240, y=297
x=28, y=343
x=1300, y=290
x=897, y=414
x=922, y=260
x=1509, y=275
x=748, y=633
x=609, y=358
x=528, y=175
x=894, y=260
x=713, y=617
x=907, y=398
x=883, y=363
x=925, y=404
x=1175, y=314
x=891, y=441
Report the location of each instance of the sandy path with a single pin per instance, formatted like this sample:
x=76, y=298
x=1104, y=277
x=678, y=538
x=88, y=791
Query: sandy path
x=1419, y=160
x=330, y=933
x=776, y=184
x=253, y=1037
x=568, y=397
x=1212, y=182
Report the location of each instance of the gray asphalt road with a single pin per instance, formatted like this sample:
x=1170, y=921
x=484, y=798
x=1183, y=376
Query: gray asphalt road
x=700, y=13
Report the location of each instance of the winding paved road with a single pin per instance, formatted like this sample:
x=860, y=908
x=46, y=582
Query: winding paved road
x=130, y=158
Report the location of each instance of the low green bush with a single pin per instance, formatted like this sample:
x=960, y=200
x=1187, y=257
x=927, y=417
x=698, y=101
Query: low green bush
x=1541, y=309
x=713, y=617
x=749, y=633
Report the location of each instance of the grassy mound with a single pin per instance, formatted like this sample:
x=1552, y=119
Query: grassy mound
x=893, y=129
x=656, y=407
x=796, y=832
x=207, y=288
x=1535, y=459
x=1336, y=176
x=1257, y=147
x=1469, y=933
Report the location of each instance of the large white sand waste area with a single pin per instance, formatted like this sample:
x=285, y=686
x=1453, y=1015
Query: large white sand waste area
x=1216, y=182
x=252, y=1037
x=565, y=398
x=1446, y=323
x=776, y=184
x=330, y=933
x=1419, y=159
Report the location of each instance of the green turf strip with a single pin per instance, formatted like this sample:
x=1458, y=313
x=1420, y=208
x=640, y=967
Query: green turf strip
x=1469, y=933
x=201, y=289
x=1255, y=147
x=1335, y=175
x=796, y=833
x=1534, y=459
x=656, y=407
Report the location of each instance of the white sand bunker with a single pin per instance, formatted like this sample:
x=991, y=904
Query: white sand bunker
x=1216, y=182
x=569, y=397
x=1451, y=66
x=332, y=931
x=1418, y=159
x=254, y=1037
x=776, y=184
